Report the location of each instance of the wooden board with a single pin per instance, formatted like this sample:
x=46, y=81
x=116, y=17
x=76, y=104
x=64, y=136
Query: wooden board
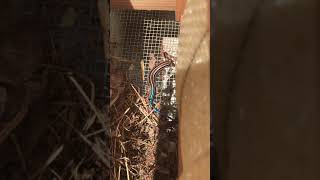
x=162, y=5
x=166, y=5
x=180, y=6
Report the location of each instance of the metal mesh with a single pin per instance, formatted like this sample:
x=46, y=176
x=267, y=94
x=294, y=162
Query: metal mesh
x=134, y=34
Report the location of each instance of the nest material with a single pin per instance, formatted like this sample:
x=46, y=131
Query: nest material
x=134, y=137
x=74, y=144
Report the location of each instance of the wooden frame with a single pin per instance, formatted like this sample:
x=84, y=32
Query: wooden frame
x=180, y=6
x=163, y=5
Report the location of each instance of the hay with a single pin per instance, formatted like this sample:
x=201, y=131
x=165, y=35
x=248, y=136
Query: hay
x=87, y=143
x=81, y=124
x=134, y=137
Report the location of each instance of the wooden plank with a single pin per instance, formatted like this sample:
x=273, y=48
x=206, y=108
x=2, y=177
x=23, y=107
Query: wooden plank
x=180, y=6
x=166, y=5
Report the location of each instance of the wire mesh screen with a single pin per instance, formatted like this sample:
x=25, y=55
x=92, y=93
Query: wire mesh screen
x=134, y=36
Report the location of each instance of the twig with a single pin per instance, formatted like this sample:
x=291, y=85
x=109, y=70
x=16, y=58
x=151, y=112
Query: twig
x=96, y=132
x=51, y=158
x=13, y=123
x=146, y=117
x=100, y=153
x=68, y=71
x=115, y=98
x=142, y=69
x=119, y=172
x=20, y=154
x=75, y=170
x=89, y=122
x=55, y=173
x=127, y=169
x=64, y=171
x=127, y=120
x=141, y=98
x=92, y=106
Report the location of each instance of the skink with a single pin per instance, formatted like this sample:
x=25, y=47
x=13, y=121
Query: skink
x=169, y=60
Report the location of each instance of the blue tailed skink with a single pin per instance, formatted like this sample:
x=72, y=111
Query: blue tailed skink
x=169, y=60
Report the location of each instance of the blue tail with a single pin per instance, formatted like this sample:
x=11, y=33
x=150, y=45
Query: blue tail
x=151, y=99
x=157, y=110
